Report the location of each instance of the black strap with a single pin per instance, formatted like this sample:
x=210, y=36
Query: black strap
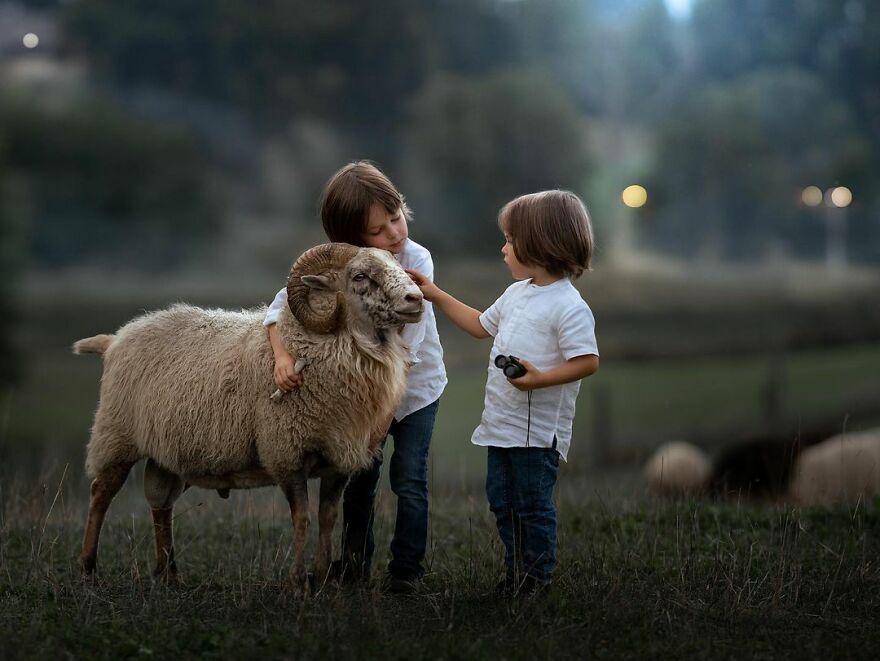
x=529, y=422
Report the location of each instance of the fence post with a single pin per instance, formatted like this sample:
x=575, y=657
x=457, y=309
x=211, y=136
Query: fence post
x=602, y=428
x=773, y=392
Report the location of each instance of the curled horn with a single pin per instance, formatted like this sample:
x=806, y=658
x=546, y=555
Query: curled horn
x=320, y=259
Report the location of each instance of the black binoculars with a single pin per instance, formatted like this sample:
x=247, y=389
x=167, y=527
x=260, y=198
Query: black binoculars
x=510, y=365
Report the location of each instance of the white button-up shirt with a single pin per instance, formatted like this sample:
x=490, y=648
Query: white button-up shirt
x=427, y=376
x=546, y=326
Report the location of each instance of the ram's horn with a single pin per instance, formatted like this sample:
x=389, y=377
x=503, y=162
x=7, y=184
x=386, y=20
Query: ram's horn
x=325, y=258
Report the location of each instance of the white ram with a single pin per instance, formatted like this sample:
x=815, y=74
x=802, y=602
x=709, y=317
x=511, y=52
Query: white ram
x=189, y=390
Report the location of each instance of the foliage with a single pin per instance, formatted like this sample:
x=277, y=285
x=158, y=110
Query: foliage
x=93, y=181
x=483, y=141
x=837, y=43
x=10, y=263
x=736, y=157
x=711, y=93
x=617, y=59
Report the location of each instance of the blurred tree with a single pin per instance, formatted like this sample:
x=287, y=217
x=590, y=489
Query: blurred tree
x=837, y=41
x=347, y=62
x=98, y=185
x=731, y=165
x=614, y=58
x=477, y=143
x=9, y=265
x=366, y=70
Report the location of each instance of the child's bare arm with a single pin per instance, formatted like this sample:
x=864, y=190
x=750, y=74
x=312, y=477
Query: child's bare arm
x=573, y=369
x=285, y=374
x=463, y=316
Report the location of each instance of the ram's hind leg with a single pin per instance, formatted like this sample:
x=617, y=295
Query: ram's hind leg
x=332, y=487
x=105, y=486
x=162, y=488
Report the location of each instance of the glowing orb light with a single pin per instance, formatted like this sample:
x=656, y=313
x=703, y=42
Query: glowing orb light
x=634, y=196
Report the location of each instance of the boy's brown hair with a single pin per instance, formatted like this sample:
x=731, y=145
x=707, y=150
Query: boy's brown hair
x=550, y=229
x=348, y=196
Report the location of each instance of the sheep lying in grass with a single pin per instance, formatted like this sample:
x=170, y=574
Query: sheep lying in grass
x=803, y=470
x=844, y=468
x=678, y=469
x=189, y=390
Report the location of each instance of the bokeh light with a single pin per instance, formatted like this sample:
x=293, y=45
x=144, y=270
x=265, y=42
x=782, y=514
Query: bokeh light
x=841, y=196
x=811, y=196
x=30, y=40
x=634, y=196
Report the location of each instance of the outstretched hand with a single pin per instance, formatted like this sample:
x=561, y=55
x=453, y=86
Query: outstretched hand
x=429, y=290
x=530, y=380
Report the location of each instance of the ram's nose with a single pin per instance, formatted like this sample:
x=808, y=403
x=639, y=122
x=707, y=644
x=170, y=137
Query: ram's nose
x=414, y=297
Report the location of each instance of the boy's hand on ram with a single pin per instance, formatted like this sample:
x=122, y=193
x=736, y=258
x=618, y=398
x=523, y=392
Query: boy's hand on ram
x=286, y=376
x=298, y=366
x=530, y=380
x=429, y=290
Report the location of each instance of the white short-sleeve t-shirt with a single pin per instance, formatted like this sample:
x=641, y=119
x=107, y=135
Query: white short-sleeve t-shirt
x=546, y=326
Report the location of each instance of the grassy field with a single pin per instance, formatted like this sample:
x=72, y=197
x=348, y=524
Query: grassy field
x=636, y=579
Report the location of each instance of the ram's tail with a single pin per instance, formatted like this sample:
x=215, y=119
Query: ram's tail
x=96, y=344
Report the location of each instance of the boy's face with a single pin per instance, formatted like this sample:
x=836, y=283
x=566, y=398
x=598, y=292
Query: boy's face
x=385, y=230
x=518, y=270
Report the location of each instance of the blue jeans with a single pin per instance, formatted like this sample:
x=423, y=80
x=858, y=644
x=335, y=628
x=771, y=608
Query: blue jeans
x=409, y=482
x=519, y=486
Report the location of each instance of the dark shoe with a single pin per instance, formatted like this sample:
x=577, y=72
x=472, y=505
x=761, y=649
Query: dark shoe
x=532, y=585
x=343, y=573
x=505, y=587
x=402, y=585
x=528, y=585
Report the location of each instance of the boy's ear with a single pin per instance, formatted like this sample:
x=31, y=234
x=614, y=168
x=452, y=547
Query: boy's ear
x=317, y=281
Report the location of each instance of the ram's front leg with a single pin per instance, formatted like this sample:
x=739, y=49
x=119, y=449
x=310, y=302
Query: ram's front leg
x=296, y=490
x=332, y=487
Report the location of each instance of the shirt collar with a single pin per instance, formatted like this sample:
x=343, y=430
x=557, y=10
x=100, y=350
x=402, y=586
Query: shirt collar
x=553, y=285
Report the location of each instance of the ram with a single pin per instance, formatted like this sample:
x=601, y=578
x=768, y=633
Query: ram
x=189, y=390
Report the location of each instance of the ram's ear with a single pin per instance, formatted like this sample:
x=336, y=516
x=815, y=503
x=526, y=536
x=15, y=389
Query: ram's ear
x=317, y=281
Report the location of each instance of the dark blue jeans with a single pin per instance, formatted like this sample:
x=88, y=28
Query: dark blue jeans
x=409, y=482
x=519, y=486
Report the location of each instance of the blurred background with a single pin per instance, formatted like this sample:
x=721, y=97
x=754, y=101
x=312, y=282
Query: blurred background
x=154, y=151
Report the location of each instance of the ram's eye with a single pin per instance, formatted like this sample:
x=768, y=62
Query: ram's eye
x=359, y=277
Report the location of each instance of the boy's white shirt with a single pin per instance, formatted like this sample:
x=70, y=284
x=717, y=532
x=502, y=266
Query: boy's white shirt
x=427, y=376
x=546, y=326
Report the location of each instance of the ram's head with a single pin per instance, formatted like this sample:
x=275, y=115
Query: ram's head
x=369, y=287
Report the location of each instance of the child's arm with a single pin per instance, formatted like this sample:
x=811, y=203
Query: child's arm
x=573, y=369
x=285, y=375
x=463, y=316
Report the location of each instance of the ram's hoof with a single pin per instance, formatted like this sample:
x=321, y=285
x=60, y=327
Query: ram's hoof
x=167, y=577
x=223, y=493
